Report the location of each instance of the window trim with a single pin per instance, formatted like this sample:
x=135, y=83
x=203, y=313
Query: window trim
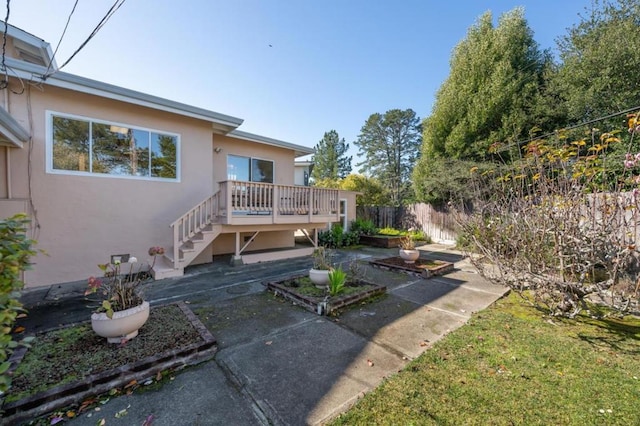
x=49, y=114
x=251, y=158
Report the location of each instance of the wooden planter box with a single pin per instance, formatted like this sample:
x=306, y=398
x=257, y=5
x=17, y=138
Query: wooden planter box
x=384, y=241
x=421, y=268
x=324, y=305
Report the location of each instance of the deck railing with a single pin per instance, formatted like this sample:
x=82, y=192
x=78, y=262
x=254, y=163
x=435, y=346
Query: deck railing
x=269, y=199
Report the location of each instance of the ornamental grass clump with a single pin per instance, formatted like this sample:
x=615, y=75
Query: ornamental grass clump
x=337, y=279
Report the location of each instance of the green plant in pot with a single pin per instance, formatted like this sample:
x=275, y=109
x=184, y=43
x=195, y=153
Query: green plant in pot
x=408, y=250
x=319, y=273
x=123, y=309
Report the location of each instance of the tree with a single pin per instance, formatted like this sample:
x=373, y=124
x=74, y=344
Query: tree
x=488, y=100
x=373, y=193
x=330, y=160
x=600, y=60
x=390, y=144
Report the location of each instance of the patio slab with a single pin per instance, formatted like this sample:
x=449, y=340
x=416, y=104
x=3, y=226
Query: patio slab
x=309, y=372
x=402, y=326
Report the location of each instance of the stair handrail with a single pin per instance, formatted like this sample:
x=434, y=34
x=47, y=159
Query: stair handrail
x=192, y=222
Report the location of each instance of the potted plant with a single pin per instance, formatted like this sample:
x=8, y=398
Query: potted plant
x=408, y=250
x=123, y=310
x=319, y=274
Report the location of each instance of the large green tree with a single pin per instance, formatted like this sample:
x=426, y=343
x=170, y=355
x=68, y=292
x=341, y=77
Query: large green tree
x=390, y=144
x=489, y=99
x=372, y=193
x=600, y=61
x=330, y=160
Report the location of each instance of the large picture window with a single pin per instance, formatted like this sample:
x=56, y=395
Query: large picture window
x=249, y=169
x=81, y=145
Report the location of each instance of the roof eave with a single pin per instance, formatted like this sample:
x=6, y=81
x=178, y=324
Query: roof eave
x=11, y=131
x=221, y=123
x=299, y=150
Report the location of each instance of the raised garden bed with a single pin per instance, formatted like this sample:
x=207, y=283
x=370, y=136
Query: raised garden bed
x=384, y=241
x=301, y=291
x=148, y=357
x=422, y=267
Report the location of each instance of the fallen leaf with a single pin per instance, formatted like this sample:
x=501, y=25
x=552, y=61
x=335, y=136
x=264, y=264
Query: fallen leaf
x=423, y=343
x=101, y=422
x=268, y=342
x=131, y=383
x=18, y=329
x=159, y=376
x=370, y=363
x=121, y=413
x=148, y=420
x=71, y=414
x=56, y=420
x=21, y=316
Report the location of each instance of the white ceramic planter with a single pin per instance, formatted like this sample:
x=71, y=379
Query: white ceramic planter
x=123, y=326
x=409, y=256
x=320, y=277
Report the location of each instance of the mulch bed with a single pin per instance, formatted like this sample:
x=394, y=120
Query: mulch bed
x=324, y=305
x=422, y=267
x=138, y=370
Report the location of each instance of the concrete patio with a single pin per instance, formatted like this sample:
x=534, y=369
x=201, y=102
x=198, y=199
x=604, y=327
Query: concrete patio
x=277, y=363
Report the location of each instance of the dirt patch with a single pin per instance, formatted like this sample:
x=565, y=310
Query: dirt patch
x=300, y=291
x=65, y=366
x=422, y=267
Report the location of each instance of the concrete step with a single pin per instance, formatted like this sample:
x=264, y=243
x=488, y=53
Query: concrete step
x=164, y=269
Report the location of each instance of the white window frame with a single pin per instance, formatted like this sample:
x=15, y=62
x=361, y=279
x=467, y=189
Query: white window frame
x=344, y=217
x=49, y=148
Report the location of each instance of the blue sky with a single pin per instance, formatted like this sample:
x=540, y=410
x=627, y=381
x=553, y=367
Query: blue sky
x=292, y=69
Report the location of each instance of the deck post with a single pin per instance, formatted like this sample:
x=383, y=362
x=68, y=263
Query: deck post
x=236, y=259
x=275, y=204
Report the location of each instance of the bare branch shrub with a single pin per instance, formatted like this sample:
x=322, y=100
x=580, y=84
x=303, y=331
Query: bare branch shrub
x=558, y=222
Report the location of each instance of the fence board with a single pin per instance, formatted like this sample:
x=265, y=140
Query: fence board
x=436, y=223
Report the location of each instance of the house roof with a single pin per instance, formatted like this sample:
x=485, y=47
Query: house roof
x=33, y=66
x=11, y=132
x=299, y=149
x=221, y=123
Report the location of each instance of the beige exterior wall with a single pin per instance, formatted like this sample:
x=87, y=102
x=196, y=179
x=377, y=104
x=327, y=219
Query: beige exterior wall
x=84, y=219
x=283, y=158
x=226, y=243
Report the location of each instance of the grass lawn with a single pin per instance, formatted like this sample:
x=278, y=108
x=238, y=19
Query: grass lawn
x=511, y=364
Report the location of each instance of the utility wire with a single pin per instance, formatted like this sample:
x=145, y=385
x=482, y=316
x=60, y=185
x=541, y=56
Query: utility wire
x=5, y=83
x=61, y=37
x=574, y=126
x=102, y=22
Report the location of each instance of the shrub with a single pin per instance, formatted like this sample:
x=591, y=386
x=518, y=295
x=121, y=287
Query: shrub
x=15, y=252
x=337, y=238
x=363, y=227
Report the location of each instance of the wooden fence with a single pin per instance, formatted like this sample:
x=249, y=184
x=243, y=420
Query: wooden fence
x=434, y=222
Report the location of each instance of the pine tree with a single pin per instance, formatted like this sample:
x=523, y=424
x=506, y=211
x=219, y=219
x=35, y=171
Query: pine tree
x=330, y=160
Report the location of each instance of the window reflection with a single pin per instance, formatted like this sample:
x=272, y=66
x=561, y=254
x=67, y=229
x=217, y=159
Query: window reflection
x=249, y=169
x=97, y=147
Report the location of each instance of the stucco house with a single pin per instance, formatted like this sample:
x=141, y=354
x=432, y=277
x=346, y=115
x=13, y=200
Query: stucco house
x=105, y=171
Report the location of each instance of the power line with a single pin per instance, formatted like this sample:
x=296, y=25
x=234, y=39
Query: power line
x=102, y=22
x=5, y=83
x=61, y=37
x=574, y=126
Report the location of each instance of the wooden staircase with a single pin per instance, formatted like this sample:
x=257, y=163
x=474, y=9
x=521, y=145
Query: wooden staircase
x=192, y=233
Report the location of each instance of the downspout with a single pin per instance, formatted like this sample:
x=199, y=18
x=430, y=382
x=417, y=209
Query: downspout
x=7, y=156
x=8, y=170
